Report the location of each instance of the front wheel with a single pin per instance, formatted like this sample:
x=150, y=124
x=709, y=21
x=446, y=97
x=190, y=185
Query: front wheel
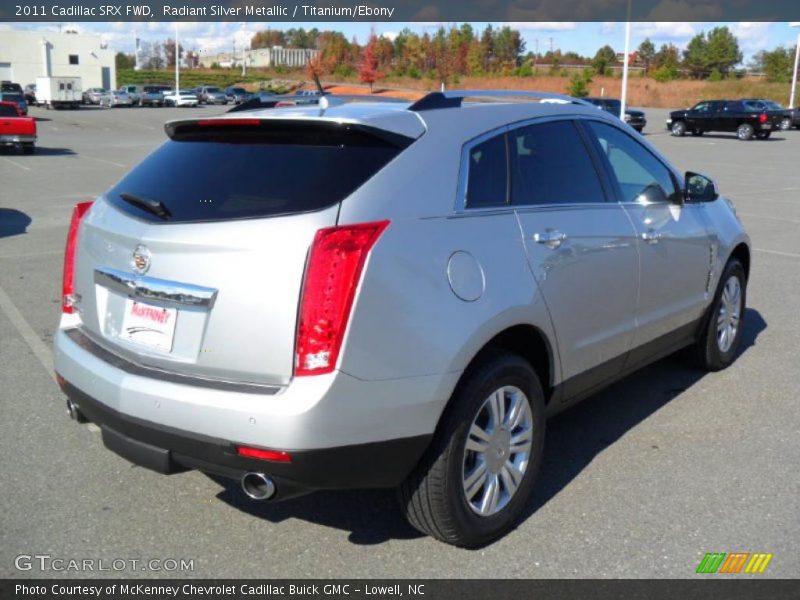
x=721, y=337
x=745, y=132
x=474, y=481
x=678, y=129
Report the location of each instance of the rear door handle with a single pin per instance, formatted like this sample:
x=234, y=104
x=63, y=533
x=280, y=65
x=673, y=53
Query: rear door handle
x=551, y=238
x=651, y=236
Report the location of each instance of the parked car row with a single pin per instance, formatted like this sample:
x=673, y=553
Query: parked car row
x=747, y=117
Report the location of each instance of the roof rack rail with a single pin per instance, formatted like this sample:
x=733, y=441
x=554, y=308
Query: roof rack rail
x=322, y=100
x=454, y=98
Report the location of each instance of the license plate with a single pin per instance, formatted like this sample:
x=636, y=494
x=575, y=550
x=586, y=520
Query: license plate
x=148, y=325
x=766, y=126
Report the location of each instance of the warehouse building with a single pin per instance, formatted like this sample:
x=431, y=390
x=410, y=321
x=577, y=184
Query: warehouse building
x=261, y=58
x=26, y=55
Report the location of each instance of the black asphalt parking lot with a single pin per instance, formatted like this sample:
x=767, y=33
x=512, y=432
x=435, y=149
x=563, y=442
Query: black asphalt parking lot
x=639, y=481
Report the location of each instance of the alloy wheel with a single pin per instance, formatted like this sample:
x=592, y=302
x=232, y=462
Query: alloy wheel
x=497, y=451
x=729, y=313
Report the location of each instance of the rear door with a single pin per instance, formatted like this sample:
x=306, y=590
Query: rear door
x=672, y=237
x=580, y=247
x=193, y=262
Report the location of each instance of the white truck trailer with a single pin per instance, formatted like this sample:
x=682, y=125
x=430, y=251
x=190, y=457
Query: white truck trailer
x=59, y=92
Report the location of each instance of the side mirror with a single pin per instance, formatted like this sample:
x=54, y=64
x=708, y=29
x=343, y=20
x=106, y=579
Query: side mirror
x=699, y=188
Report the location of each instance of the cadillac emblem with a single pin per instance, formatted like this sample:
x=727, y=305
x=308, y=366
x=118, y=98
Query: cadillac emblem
x=140, y=261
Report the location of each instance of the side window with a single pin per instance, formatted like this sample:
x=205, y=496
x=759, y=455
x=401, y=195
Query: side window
x=550, y=164
x=640, y=175
x=487, y=182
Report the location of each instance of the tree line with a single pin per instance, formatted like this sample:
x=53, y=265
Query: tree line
x=460, y=50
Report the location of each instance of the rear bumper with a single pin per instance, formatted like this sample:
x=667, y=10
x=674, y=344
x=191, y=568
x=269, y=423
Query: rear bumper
x=17, y=139
x=334, y=415
x=169, y=450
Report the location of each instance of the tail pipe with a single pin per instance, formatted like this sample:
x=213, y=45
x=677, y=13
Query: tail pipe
x=258, y=486
x=74, y=412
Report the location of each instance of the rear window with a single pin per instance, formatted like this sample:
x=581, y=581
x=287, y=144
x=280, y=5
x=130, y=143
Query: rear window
x=279, y=168
x=7, y=111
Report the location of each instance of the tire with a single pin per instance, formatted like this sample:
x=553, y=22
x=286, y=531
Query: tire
x=763, y=135
x=709, y=353
x=745, y=132
x=28, y=148
x=433, y=497
x=678, y=129
x=786, y=124
x=639, y=129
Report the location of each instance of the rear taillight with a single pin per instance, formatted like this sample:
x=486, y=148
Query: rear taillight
x=261, y=454
x=762, y=118
x=333, y=272
x=68, y=280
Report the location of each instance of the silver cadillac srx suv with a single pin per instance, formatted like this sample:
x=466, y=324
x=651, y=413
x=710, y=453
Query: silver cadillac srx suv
x=368, y=294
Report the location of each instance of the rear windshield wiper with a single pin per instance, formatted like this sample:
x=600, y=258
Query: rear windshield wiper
x=156, y=207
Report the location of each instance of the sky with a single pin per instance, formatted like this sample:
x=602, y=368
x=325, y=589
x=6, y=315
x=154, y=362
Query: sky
x=584, y=38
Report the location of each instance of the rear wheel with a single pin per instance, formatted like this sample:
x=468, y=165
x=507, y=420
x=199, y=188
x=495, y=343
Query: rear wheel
x=786, y=124
x=721, y=337
x=678, y=129
x=474, y=481
x=745, y=132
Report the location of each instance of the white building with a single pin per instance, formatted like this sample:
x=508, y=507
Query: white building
x=261, y=58
x=26, y=55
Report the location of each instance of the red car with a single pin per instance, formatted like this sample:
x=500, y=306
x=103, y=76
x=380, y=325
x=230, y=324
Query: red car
x=16, y=129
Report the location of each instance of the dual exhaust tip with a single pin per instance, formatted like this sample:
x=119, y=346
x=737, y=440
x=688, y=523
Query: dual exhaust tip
x=258, y=486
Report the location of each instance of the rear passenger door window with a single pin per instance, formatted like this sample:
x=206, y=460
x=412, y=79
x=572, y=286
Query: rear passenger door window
x=550, y=164
x=487, y=181
x=641, y=177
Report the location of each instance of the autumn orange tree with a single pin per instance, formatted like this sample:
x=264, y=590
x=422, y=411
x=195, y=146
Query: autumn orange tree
x=368, y=71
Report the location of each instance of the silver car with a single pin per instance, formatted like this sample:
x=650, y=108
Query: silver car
x=355, y=295
x=114, y=98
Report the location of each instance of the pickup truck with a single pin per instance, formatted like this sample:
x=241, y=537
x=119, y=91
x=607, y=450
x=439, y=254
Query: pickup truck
x=745, y=119
x=15, y=129
x=635, y=118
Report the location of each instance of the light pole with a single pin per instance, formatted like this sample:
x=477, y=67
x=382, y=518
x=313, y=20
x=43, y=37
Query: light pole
x=177, y=65
x=626, y=60
x=796, y=61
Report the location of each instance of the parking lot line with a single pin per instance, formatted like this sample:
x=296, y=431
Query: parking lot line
x=778, y=252
x=16, y=164
x=780, y=219
x=40, y=350
x=102, y=160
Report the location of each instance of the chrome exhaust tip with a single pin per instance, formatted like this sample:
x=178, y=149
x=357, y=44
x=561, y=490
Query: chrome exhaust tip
x=258, y=486
x=74, y=412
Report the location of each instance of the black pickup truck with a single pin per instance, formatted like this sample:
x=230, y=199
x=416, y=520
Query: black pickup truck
x=743, y=118
x=634, y=118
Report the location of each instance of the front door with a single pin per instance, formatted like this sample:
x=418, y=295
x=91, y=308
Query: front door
x=581, y=249
x=676, y=254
